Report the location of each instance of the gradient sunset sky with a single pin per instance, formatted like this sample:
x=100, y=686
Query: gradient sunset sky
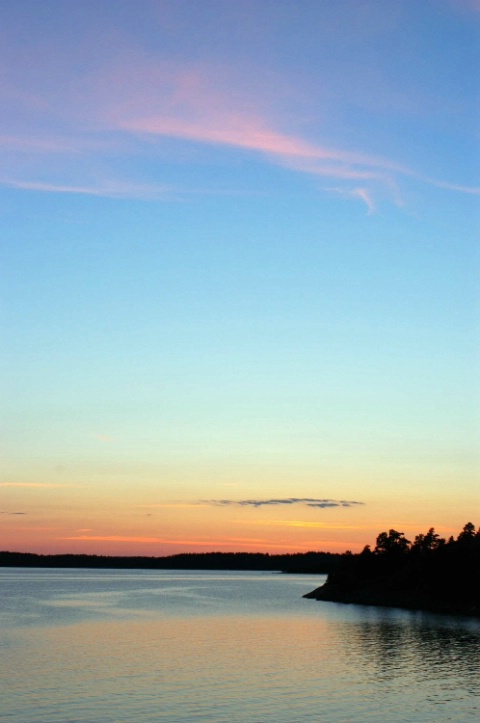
x=239, y=273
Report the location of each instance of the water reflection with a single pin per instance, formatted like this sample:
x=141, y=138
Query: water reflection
x=255, y=652
x=435, y=659
x=388, y=645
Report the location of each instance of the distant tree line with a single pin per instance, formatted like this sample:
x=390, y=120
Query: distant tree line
x=429, y=573
x=301, y=562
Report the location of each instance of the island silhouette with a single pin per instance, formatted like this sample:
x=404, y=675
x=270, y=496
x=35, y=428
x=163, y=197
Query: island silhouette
x=431, y=573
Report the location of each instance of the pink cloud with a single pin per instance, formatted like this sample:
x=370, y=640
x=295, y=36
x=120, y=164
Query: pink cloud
x=242, y=132
x=200, y=105
x=195, y=103
x=144, y=100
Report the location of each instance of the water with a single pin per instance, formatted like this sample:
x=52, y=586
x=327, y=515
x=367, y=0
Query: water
x=93, y=646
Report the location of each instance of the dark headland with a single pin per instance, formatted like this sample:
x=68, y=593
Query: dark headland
x=433, y=574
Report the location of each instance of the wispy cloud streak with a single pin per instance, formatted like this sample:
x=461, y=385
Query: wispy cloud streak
x=307, y=501
x=186, y=105
x=142, y=100
x=472, y=190
x=189, y=117
x=108, y=190
x=363, y=194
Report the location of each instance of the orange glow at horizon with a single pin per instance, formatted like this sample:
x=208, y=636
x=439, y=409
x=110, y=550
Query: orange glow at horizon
x=114, y=520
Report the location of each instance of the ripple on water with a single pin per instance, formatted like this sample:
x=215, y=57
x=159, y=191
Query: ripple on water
x=289, y=662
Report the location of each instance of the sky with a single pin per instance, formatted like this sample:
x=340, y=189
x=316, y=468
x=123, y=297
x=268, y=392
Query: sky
x=239, y=273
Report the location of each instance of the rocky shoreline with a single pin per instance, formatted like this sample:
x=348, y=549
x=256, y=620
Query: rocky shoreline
x=387, y=594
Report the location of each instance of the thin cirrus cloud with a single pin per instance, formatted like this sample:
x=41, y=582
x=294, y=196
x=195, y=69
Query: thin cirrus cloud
x=140, y=99
x=289, y=152
x=104, y=189
x=185, y=105
x=361, y=193
x=306, y=501
x=251, y=134
x=144, y=98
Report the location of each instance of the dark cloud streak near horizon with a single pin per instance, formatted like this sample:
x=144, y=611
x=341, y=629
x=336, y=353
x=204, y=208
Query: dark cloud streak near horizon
x=307, y=501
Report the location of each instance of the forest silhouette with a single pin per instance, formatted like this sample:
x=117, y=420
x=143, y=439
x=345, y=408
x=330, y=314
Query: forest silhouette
x=300, y=562
x=430, y=573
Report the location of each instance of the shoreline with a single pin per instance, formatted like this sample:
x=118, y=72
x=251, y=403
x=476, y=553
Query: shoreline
x=380, y=595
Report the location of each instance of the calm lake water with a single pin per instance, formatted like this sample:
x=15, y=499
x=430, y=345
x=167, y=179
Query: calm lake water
x=93, y=646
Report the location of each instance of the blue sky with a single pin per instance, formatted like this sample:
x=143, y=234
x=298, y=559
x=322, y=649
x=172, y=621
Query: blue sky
x=239, y=261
